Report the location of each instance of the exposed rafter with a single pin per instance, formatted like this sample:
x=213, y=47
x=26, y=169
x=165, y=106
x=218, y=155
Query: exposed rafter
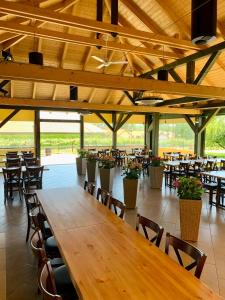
x=90, y=25
x=72, y=105
x=9, y=117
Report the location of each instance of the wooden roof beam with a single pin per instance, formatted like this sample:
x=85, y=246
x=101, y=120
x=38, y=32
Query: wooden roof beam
x=29, y=72
x=43, y=15
x=27, y=30
x=23, y=103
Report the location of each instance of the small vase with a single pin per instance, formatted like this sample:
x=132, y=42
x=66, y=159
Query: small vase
x=190, y=213
x=106, y=178
x=156, y=177
x=130, y=188
x=91, y=171
x=81, y=165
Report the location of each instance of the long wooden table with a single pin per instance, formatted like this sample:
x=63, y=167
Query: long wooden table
x=107, y=259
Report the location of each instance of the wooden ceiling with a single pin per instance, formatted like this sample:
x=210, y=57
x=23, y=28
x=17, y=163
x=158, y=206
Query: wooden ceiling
x=151, y=34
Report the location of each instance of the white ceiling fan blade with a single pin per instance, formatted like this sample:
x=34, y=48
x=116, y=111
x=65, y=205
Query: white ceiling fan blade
x=101, y=66
x=98, y=58
x=118, y=62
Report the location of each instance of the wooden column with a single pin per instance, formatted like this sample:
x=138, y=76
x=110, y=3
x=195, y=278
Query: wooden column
x=81, y=132
x=155, y=134
x=37, y=134
x=148, y=131
x=114, y=132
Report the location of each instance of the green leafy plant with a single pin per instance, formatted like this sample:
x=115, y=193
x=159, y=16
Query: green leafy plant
x=91, y=157
x=156, y=162
x=132, y=170
x=82, y=153
x=107, y=162
x=189, y=188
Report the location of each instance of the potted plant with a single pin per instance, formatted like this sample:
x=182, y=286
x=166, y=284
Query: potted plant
x=81, y=162
x=132, y=172
x=156, y=169
x=91, y=167
x=189, y=190
x=106, y=170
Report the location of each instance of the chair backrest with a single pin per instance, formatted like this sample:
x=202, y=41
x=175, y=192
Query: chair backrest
x=47, y=283
x=28, y=155
x=89, y=187
x=31, y=161
x=115, y=204
x=222, y=164
x=37, y=246
x=31, y=200
x=103, y=196
x=35, y=172
x=38, y=219
x=12, y=154
x=147, y=223
x=197, y=255
x=12, y=175
x=13, y=162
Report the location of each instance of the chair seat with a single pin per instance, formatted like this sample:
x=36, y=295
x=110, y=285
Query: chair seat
x=50, y=244
x=210, y=186
x=47, y=229
x=56, y=262
x=64, y=284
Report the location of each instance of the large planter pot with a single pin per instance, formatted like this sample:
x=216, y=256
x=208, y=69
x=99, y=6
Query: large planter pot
x=190, y=213
x=106, y=178
x=81, y=165
x=156, y=177
x=91, y=171
x=130, y=188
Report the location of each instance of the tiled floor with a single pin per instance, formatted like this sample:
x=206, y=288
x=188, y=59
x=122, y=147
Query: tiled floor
x=161, y=206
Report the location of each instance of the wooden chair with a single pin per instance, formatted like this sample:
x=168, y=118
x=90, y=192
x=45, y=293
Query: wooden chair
x=12, y=182
x=33, y=177
x=115, y=204
x=147, y=223
x=89, y=187
x=198, y=256
x=31, y=202
x=55, y=288
x=103, y=196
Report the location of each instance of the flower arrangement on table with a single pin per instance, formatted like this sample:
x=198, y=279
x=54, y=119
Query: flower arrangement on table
x=156, y=161
x=82, y=153
x=189, y=188
x=107, y=162
x=132, y=170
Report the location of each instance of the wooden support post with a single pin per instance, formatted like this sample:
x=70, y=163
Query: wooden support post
x=155, y=134
x=202, y=138
x=114, y=133
x=148, y=130
x=81, y=132
x=190, y=74
x=37, y=134
x=9, y=117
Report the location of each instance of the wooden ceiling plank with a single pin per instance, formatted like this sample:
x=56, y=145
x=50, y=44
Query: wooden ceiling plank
x=29, y=72
x=27, y=30
x=91, y=25
x=23, y=103
x=54, y=92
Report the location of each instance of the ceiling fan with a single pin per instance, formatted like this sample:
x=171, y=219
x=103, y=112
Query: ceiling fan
x=107, y=63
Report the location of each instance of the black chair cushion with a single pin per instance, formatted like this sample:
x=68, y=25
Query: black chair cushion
x=47, y=229
x=50, y=244
x=56, y=262
x=64, y=284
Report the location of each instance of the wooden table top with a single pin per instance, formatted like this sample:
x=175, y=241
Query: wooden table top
x=218, y=174
x=107, y=258
x=174, y=163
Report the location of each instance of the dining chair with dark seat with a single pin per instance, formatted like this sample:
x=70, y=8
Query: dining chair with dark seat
x=31, y=202
x=117, y=206
x=12, y=182
x=33, y=177
x=149, y=224
x=198, y=257
x=89, y=187
x=103, y=196
x=56, y=284
x=28, y=155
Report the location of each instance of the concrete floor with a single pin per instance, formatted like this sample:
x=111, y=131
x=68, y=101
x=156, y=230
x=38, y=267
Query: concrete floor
x=160, y=206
